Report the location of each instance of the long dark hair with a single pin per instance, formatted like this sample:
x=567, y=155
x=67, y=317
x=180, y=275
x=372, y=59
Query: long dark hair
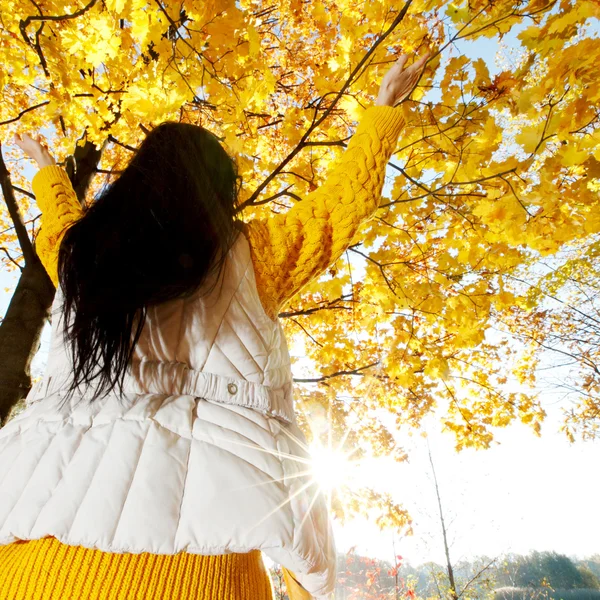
x=154, y=234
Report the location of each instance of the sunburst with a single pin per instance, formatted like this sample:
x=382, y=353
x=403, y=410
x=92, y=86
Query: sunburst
x=328, y=468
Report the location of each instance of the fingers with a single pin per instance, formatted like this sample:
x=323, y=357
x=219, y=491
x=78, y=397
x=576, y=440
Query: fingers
x=419, y=65
x=416, y=66
x=402, y=61
x=422, y=60
x=23, y=138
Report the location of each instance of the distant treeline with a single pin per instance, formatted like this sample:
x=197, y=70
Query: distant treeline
x=537, y=576
x=515, y=593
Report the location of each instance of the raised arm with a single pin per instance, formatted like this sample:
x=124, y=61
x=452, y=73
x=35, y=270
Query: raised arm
x=56, y=199
x=292, y=248
x=60, y=208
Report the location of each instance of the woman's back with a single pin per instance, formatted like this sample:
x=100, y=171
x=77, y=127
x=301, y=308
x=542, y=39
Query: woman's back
x=201, y=453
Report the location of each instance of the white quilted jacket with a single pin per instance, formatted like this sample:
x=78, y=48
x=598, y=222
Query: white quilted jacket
x=202, y=454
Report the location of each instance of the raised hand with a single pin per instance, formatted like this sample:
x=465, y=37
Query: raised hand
x=35, y=149
x=399, y=82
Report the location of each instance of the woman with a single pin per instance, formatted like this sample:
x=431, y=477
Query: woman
x=160, y=453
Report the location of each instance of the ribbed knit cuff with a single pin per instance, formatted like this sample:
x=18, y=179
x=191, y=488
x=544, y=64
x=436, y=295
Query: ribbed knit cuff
x=386, y=120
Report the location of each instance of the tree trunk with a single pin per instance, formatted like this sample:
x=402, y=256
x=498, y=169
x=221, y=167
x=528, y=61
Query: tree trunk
x=449, y=568
x=30, y=305
x=20, y=333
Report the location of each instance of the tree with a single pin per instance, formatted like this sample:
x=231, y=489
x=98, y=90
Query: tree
x=589, y=581
x=564, y=328
x=546, y=569
x=593, y=564
x=447, y=582
x=453, y=593
x=492, y=173
x=366, y=578
x=369, y=578
x=29, y=308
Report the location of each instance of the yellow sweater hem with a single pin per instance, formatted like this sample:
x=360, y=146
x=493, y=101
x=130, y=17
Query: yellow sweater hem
x=47, y=569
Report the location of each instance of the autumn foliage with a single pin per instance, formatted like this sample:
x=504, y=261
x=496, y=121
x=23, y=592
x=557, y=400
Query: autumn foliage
x=482, y=254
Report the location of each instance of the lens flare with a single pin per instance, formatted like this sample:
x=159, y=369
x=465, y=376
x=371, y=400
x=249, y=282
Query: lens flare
x=331, y=468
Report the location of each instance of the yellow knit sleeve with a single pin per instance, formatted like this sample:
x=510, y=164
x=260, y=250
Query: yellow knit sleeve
x=60, y=208
x=292, y=248
x=294, y=590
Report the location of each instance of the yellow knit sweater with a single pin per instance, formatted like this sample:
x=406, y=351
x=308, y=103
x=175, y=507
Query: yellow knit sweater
x=288, y=250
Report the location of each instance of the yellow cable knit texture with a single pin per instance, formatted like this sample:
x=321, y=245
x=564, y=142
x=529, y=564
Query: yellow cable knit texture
x=288, y=251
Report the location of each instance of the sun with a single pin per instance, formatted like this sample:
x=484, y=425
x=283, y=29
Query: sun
x=331, y=468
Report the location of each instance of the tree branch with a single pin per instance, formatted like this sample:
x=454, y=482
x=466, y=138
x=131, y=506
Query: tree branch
x=336, y=374
x=15, y=215
x=315, y=124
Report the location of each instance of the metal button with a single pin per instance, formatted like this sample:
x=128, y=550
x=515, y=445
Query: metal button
x=232, y=388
